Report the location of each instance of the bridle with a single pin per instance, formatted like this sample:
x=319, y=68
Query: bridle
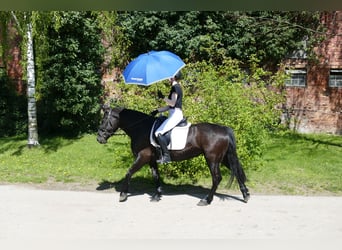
x=117, y=116
x=108, y=123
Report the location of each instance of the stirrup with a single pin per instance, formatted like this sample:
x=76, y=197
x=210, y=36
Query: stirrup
x=164, y=159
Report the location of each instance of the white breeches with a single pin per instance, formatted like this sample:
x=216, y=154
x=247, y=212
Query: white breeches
x=175, y=116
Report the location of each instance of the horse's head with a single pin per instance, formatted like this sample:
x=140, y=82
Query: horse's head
x=110, y=123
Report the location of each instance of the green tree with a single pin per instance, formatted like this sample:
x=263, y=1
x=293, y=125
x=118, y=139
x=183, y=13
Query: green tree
x=70, y=87
x=113, y=38
x=213, y=36
x=4, y=23
x=13, y=107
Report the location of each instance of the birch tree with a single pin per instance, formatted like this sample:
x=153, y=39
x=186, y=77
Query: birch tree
x=31, y=89
x=25, y=27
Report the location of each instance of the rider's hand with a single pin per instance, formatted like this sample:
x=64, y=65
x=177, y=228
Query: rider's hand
x=154, y=112
x=160, y=95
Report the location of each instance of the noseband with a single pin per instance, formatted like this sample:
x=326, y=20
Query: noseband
x=108, y=125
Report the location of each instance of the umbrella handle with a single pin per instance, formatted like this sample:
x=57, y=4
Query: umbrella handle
x=160, y=95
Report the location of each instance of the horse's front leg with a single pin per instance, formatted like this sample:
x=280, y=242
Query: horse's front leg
x=156, y=177
x=138, y=163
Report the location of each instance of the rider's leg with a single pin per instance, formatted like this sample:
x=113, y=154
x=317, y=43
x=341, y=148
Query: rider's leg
x=175, y=116
x=165, y=152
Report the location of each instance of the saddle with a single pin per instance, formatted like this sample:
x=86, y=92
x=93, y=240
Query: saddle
x=176, y=137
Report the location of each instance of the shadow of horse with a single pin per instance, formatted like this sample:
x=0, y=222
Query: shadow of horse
x=141, y=186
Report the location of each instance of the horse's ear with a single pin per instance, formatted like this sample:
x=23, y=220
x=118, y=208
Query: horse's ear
x=118, y=109
x=105, y=106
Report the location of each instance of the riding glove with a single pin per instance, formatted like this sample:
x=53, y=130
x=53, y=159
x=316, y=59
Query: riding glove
x=160, y=95
x=154, y=112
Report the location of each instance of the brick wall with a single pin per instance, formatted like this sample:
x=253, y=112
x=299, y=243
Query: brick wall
x=317, y=108
x=12, y=62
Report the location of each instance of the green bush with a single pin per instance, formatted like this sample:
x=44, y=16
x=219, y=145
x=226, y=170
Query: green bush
x=70, y=88
x=13, y=108
x=243, y=100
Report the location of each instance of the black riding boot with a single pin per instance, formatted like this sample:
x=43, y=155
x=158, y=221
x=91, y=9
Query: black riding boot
x=165, y=158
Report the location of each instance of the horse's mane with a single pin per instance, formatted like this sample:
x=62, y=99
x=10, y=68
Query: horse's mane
x=133, y=113
x=134, y=116
x=135, y=123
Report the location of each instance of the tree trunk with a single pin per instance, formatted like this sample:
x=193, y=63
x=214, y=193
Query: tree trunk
x=31, y=101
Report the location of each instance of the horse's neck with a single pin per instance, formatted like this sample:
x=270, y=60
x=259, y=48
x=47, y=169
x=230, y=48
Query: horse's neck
x=131, y=116
x=132, y=120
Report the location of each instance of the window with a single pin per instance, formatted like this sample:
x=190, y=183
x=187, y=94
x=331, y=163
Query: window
x=335, y=78
x=297, y=78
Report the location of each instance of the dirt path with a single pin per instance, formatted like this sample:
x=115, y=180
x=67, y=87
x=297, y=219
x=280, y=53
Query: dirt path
x=30, y=213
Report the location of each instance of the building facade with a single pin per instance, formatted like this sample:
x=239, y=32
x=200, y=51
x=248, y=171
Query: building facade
x=314, y=90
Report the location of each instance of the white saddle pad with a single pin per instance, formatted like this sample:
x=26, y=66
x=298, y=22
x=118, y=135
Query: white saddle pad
x=179, y=136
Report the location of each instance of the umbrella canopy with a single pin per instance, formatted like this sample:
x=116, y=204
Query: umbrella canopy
x=152, y=67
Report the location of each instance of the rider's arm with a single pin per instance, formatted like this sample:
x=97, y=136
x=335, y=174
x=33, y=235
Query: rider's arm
x=171, y=102
x=163, y=109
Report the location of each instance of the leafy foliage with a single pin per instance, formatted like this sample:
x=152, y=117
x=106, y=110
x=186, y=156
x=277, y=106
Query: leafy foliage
x=245, y=101
x=115, y=42
x=13, y=118
x=71, y=88
x=212, y=36
x=4, y=44
x=69, y=51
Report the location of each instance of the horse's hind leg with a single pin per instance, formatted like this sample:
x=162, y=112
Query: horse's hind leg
x=216, y=179
x=231, y=161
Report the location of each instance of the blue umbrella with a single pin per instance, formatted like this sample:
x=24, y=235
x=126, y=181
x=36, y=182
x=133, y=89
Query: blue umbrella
x=152, y=67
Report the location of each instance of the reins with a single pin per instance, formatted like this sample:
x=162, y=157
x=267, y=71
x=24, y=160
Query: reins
x=133, y=124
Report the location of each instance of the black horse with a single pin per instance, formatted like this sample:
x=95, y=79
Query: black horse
x=215, y=142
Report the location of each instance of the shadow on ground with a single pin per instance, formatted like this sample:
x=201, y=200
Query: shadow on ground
x=141, y=186
x=17, y=144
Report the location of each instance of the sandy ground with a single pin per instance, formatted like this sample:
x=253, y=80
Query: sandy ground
x=28, y=213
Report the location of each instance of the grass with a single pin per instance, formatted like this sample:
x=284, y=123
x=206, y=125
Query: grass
x=301, y=164
x=294, y=164
x=62, y=160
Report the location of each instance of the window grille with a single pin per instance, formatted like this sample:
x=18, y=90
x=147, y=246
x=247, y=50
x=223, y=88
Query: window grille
x=297, y=78
x=335, y=78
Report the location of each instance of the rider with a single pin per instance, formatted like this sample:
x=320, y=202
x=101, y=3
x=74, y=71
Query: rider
x=174, y=106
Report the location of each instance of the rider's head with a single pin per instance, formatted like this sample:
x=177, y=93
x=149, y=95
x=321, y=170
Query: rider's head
x=176, y=77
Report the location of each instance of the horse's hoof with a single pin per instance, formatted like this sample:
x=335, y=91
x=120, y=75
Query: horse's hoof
x=123, y=197
x=246, y=198
x=155, y=198
x=203, y=202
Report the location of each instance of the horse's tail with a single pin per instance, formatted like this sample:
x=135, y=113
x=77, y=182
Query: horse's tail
x=232, y=160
